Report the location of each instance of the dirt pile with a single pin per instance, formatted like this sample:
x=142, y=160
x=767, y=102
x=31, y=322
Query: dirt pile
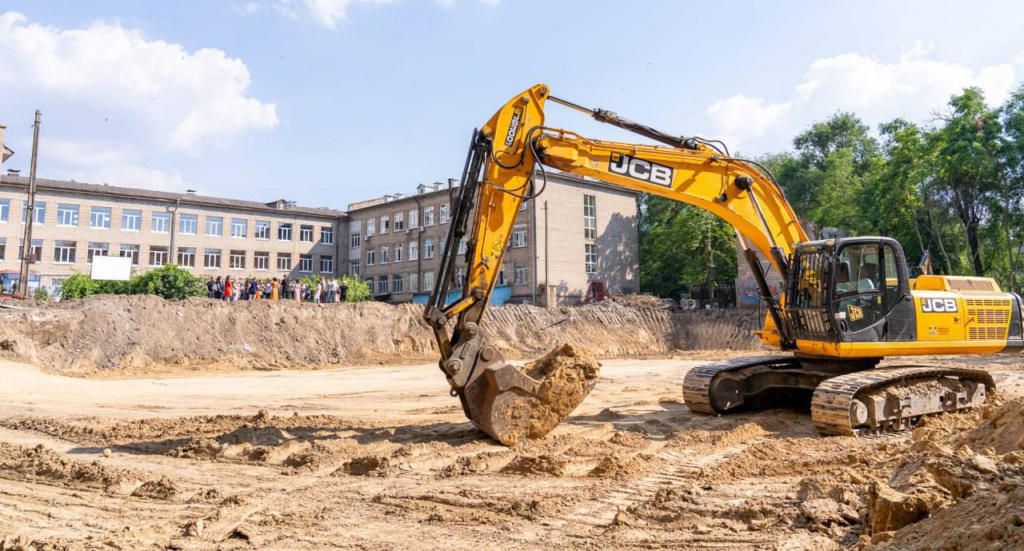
x=39, y=464
x=147, y=333
x=956, y=488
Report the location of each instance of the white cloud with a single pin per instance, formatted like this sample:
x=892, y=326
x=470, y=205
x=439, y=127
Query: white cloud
x=331, y=14
x=913, y=87
x=179, y=99
x=102, y=165
x=327, y=13
x=247, y=8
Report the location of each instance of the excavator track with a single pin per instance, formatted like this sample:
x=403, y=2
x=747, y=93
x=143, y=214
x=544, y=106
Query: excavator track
x=894, y=398
x=697, y=386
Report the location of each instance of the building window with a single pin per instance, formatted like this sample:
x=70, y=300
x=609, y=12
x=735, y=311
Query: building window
x=384, y=222
x=67, y=215
x=161, y=222
x=188, y=224
x=443, y=213
x=306, y=263
x=239, y=227
x=97, y=249
x=64, y=252
x=305, y=234
x=261, y=261
x=501, y=278
x=326, y=264
x=214, y=226
x=522, y=206
x=371, y=258
x=383, y=255
x=262, y=230
x=522, y=275
x=40, y=209
x=413, y=282
x=187, y=257
x=399, y=221
x=398, y=252
x=131, y=220
x=396, y=283
x=459, y=278
x=327, y=235
x=414, y=250
x=236, y=261
x=5, y=210
x=211, y=258
x=284, y=232
x=371, y=227
x=590, y=258
x=99, y=217
x=428, y=248
x=463, y=245
x=130, y=251
x=35, y=251
x=353, y=268
x=519, y=237
x=589, y=217
x=428, y=281
x=414, y=219
x=354, y=239
x=284, y=262
x=158, y=256
x=382, y=285
x=428, y=216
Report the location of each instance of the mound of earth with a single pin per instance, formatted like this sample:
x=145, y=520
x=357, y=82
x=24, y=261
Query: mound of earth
x=147, y=333
x=958, y=487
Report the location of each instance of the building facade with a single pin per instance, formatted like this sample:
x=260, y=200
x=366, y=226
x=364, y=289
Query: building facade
x=210, y=236
x=578, y=237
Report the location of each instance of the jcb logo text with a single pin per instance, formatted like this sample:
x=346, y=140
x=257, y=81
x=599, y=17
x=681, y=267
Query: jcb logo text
x=639, y=169
x=938, y=305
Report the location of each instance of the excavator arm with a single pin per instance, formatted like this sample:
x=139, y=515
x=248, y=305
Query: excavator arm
x=505, y=166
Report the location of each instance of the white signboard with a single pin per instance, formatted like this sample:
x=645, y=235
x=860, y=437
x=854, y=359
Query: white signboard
x=111, y=268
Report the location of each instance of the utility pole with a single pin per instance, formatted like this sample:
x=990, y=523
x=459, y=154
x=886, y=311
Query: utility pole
x=30, y=214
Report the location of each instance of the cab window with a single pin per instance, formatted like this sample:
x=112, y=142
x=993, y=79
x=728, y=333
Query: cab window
x=859, y=287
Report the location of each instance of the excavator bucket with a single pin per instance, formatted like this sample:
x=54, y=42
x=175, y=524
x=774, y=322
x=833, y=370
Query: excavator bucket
x=512, y=403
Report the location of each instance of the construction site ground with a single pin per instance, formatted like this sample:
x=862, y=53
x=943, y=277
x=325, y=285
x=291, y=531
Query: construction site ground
x=381, y=457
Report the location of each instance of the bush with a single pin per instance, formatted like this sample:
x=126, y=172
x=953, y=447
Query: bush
x=169, y=282
x=358, y=291
x=42, y=294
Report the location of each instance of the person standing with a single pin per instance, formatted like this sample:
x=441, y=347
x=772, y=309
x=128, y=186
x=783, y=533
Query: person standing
x=218, y=289
x=318, y=291
x=226, y=295
x=343, y=291
x=275, y=288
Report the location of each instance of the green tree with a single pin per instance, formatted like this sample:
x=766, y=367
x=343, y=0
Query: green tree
x=674, y=251
x=1012, y=176
x=966, y=165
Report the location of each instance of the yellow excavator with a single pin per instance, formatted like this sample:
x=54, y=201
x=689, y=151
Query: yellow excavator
x=845, y=304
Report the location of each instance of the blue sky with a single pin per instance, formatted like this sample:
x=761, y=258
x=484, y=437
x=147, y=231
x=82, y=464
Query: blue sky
x=331, y=101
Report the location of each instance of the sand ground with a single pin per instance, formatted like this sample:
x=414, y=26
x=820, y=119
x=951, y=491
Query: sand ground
x=382, y=458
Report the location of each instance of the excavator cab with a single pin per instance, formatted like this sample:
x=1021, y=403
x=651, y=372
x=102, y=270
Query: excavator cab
x=849, y=290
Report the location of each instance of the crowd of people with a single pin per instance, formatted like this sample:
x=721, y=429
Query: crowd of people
x=326, y=290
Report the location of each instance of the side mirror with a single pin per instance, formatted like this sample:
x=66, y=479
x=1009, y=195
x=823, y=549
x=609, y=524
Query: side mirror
x=843, y=272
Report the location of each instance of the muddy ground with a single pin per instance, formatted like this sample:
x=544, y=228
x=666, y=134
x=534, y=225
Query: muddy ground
x=382, y=458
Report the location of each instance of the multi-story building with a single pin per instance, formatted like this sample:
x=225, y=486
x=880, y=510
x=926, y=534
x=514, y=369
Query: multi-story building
x=577, y=238
x=211, y=236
